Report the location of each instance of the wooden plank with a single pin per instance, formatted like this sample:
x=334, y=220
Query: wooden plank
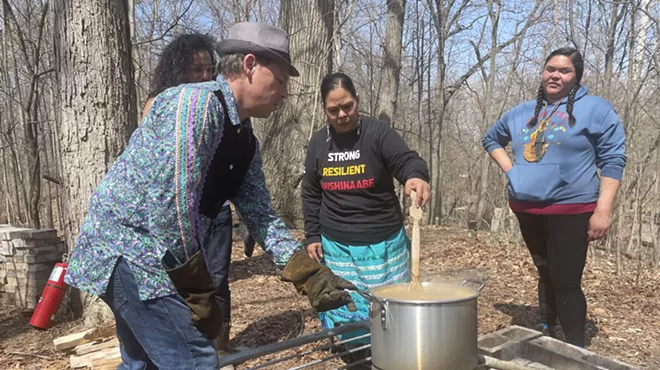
x=70, y=341
x=77, y=350
x=106, y=363
x=97, y=345
x=77, y=362
x=102, y=331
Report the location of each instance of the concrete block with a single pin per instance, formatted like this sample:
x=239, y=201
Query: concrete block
x=36, y=243
x=577, y=354
x=530, y=348
x=498, y=346
x=536, y=352
x=9, y=260
x=508, y=343
x=9, y=288
x=38, y=275
x=36, y=267
x=19, y=243
x=23, y=283
x=7, y=248
x=16, y=265
x=19, y=252
x=42, y=250
x=519, y=333
x=42, y=234
x=9, y=296
x=43, y=258
x=14, y=233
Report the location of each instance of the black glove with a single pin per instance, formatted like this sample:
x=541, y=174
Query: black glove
x=248, y=244
x=194, y=283
x=325, y=290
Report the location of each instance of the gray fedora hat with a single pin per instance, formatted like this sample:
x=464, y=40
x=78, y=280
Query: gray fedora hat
x=258, y=39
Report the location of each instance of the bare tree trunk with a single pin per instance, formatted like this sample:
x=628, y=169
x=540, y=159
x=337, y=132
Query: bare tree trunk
x=392, y=65
x=655, y=212
x=55, y=155
x=28, y=47
x=617, y=243
x=636, y=203
x=97, y=104
x=474, y=222
x=435, y=214
x=338, y=61
x=446, y=27
x=10, y=159
x=47, y=165
x=615, y=17
x=5, y=126
x=34, y=164
x=286, y=134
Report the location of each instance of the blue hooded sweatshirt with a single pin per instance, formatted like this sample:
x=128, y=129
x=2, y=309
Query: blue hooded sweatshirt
x=567, y=172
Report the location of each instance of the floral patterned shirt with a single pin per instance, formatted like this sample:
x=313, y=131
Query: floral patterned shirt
x=148, y=202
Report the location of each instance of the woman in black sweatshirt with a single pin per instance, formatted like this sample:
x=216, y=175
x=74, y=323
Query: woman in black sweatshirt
x=353, y=220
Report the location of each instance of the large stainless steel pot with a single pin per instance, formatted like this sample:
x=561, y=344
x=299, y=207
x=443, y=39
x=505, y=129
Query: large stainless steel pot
x=424, y=334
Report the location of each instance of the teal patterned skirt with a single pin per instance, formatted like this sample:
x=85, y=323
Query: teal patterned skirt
x=366, y=266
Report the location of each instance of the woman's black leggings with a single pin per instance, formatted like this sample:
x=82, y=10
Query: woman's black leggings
x=558, y=245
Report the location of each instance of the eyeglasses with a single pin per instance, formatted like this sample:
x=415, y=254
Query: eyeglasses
x=201, y=69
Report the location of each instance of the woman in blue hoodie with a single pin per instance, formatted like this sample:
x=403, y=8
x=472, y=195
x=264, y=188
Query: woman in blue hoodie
x=559, y=142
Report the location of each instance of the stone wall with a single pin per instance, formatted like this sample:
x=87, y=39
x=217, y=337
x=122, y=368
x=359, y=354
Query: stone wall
x=27, y=258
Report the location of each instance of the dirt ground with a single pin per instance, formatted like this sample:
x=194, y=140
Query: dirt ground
x=622, y=309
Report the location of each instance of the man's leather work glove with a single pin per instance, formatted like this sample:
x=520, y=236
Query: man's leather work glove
x=325, y=290
x=193, y=282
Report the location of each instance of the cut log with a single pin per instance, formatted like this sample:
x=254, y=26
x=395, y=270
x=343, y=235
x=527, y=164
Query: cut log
x=77, y=362
x=82, y=349
x=68, y=342
x=106, y=364
x=96, y=345
x=102, y=331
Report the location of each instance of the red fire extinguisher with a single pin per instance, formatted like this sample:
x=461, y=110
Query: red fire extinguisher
x=51, y=297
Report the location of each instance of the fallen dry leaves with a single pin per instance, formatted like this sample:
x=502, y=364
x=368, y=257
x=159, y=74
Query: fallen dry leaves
x=622, y=309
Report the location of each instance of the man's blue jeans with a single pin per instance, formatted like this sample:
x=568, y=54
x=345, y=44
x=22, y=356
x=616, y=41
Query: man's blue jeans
x=218, y=257
x=156, y=333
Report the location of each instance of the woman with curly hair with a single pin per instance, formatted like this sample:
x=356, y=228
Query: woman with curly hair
x=187, y=59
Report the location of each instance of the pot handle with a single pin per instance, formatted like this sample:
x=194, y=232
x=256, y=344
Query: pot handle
x=367, y=295
x=480, y=284
x=373, y=299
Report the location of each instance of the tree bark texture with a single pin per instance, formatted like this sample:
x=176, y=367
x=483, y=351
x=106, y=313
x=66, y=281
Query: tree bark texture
x=392, y=61
x=97, y=107
x=284, y=136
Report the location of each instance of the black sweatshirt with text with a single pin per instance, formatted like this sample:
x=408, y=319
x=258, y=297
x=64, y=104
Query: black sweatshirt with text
x=348, y=189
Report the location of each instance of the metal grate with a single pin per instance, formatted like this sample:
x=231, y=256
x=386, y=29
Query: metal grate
x=329, y=334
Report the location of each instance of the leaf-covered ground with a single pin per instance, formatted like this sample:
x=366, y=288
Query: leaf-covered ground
x=622, y=309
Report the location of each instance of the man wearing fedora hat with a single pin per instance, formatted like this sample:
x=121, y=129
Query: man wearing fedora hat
x=144, y=246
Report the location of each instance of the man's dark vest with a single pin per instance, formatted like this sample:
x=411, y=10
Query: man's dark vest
x=229, y=165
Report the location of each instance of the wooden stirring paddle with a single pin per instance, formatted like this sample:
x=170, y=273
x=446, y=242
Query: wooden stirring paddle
x=416, y=215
